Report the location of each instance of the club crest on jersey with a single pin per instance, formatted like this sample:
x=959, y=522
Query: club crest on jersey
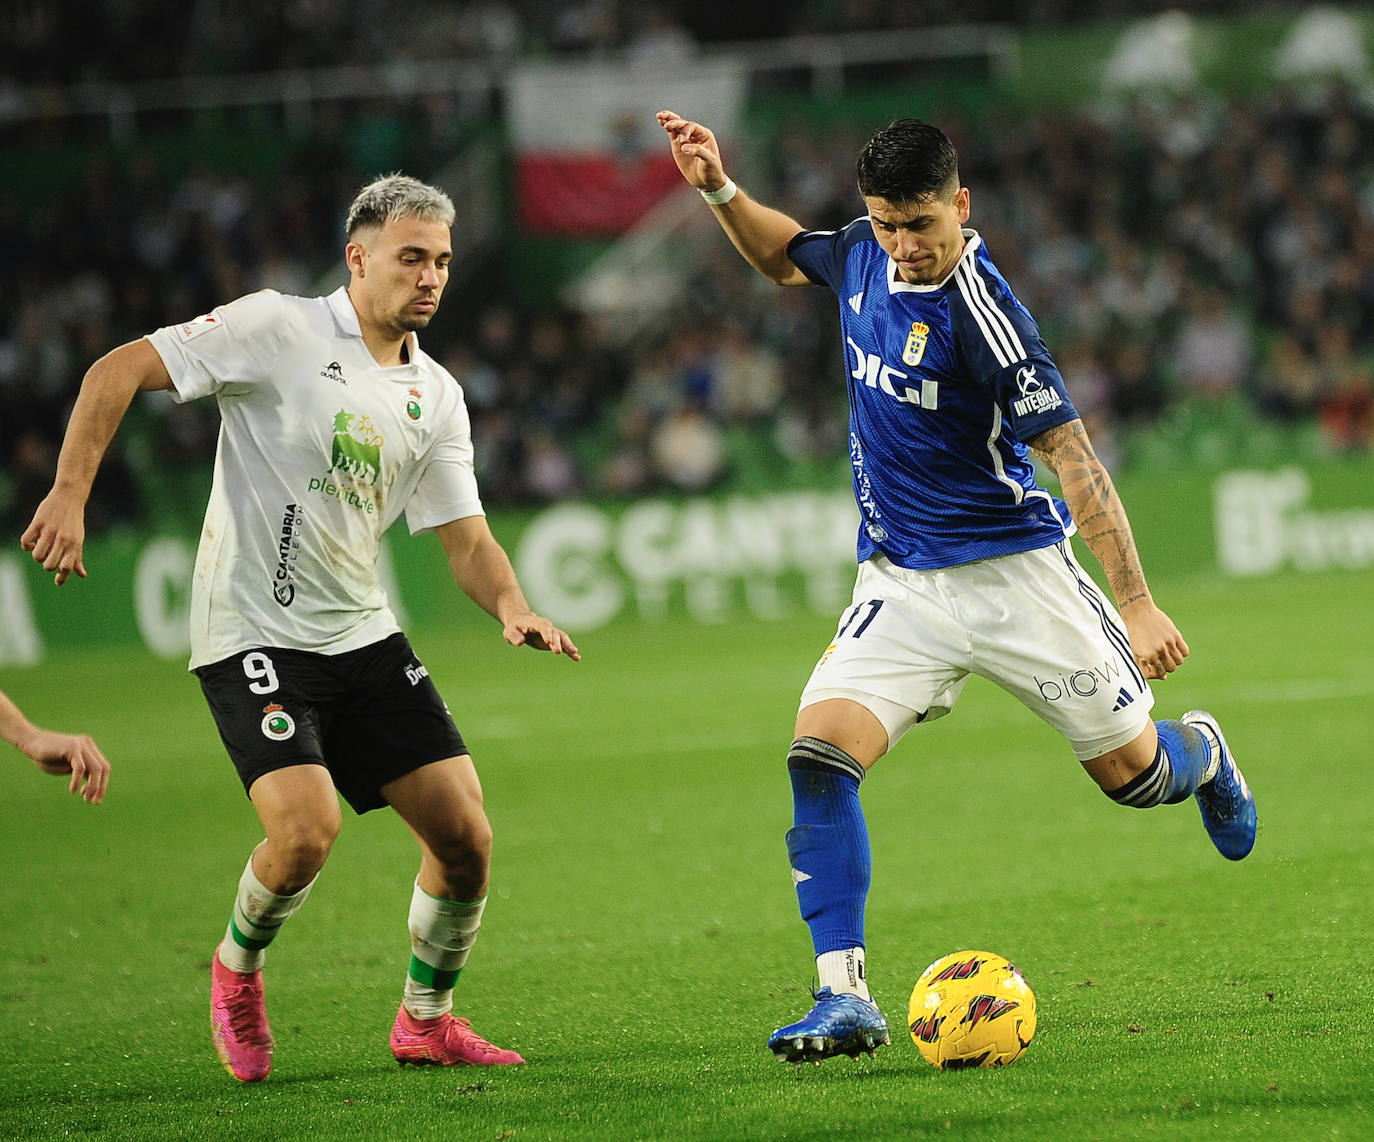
x=357, y=448
x=190, y=330
x=916, y=343
x=277, y=724
x=413, y=409
x=1035, y=395
x=876, y=374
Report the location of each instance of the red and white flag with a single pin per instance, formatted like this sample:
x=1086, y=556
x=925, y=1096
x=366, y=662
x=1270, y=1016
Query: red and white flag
x=590, y=158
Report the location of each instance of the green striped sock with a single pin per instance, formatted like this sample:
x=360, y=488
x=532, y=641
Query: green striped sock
x=258, y=916
x=442, y=933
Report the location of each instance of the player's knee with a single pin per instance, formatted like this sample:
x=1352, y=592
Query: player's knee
x=300, y=849
x=816, y=756
x=464, y=852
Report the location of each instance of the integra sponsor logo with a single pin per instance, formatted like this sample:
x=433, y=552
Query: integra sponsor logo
x=283, y=585
x=1035, y=397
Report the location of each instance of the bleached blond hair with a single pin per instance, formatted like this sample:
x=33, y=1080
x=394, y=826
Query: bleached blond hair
x=397, y=196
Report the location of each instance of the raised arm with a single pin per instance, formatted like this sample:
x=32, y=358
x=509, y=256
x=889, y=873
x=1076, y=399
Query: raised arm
x=58, y=530
x=1088, y=490
x=482, y=569
x=759, y=232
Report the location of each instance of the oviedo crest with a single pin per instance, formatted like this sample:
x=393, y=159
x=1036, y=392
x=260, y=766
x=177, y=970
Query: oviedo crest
x=916, y=343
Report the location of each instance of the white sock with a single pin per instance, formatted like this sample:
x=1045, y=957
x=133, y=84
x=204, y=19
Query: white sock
x=258, y=915
x=843, y=972
x=1213, y=752
x=442, y=933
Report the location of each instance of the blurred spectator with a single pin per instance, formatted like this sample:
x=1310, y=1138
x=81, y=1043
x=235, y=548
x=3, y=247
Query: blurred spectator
x=688, y=450
x=748, y=376
x=810, y=433
x=550, y=472
x=32, y=465
x=1289, y=382
x=1090, y=386
x=1346, y=410
x=627, y=470
x=1139, y=394
x=480, y=380
x=658, y=38
x=1212, y=353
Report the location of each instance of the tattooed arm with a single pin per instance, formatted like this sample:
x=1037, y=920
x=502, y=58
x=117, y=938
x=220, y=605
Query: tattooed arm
x=1088, y=490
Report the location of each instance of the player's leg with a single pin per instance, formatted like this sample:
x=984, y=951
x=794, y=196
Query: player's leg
x=397, y=745
x=269, y=727
x=300, y=816
x=442, y=804
x=835, y=742
x=1172, y=760
x=1068, y=657
x=831, y=868
x=869, y=687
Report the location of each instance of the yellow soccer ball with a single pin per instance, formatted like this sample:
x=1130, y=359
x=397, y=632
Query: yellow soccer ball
x=971, y=1009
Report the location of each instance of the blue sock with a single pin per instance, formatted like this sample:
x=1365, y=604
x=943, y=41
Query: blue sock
x=1174, y=775
x=828, y=843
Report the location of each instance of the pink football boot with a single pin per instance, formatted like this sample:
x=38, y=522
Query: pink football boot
x=446, y=1041
x=238, y=1021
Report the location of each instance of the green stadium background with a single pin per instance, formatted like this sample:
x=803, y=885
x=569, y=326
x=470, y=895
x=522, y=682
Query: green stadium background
x=1184, y=477
x=775, y=553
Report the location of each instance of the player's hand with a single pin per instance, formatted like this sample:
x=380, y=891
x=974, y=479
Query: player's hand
x=56, y=536
x=1156, y=644
x=694, y=150
x=528, y=629
x=76, y=754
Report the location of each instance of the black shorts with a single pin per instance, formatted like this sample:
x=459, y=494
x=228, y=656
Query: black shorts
x=369, y=715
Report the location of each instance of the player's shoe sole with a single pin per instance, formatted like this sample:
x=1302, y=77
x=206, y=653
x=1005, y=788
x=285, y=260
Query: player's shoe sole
x=837, y=1025
x=444, y=1042
x=238, y=1022
x=1227, y=805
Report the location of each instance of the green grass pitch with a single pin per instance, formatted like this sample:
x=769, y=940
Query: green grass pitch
x=643, y=940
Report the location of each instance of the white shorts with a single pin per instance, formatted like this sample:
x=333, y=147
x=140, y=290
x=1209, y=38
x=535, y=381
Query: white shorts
x=1034, y=623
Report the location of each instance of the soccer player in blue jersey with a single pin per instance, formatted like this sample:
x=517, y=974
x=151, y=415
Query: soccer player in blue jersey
x=965, y=565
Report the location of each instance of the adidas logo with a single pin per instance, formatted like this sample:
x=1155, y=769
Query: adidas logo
x=856, y=301
x=1123, y=699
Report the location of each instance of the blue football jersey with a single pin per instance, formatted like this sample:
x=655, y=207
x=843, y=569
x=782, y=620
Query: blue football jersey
x=946, y=383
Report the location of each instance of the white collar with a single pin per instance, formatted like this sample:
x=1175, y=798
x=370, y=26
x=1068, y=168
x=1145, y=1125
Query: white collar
x=341, y=305
x=972, y=240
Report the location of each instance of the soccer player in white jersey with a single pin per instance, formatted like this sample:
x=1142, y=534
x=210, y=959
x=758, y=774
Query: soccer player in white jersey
x=334, y=421
x=62, y=755
x=965, y=564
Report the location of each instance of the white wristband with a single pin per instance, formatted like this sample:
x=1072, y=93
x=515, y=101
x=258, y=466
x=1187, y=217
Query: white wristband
x=722, y=195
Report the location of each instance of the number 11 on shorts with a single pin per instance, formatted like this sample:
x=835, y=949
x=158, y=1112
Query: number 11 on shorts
x=873, y=605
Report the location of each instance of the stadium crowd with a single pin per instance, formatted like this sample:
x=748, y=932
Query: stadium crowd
x=133, y=40
x=1183, y=253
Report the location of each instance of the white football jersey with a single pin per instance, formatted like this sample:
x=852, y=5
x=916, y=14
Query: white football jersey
x=320, y=449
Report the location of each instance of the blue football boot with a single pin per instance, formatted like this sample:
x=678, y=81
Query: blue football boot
x=837, y=1025
x=1228, y=806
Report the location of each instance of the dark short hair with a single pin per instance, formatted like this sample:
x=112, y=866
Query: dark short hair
x=908, y=161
